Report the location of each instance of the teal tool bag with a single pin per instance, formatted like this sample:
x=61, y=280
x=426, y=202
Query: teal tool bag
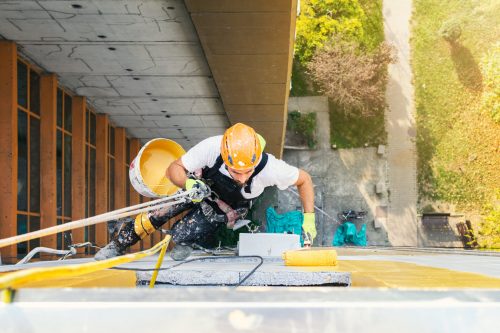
x=346, y=234
x=289, y=223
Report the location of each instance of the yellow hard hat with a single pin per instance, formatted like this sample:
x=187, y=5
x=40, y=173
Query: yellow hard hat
x=241, y=147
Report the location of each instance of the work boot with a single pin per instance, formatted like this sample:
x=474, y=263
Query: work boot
x=118, y=246
x=180, y=252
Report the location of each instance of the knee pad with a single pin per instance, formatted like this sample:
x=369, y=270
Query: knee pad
x=143, y=226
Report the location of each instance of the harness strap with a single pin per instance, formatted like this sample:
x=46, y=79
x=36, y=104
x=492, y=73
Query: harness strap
x=218, y=163
x=257, y=170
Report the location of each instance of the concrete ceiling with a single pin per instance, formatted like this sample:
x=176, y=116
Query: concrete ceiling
x=138, y=61
x=142, y=63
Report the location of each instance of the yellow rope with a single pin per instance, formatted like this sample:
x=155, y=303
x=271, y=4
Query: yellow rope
x=19, y=278
x=158, y=264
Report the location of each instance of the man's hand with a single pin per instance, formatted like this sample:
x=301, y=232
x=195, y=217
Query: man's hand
x=201, y=190
x=309, y=226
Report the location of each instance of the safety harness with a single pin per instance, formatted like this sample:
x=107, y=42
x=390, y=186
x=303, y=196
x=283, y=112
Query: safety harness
x=227, y=189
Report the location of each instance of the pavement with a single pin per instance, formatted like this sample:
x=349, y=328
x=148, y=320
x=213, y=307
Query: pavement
x=401, y=128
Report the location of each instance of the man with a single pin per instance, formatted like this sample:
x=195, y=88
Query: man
x=234, y=169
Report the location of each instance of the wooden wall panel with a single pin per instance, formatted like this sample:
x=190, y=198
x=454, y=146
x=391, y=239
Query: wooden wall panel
x=146, y=242
x=249, y=48
x=8, y=146
x=119, y=172
x=48, y=154
x=237, y=5
x=101, y=205
x=241, y=113
x=268, y=68
x=78, y=164
x=135, y=146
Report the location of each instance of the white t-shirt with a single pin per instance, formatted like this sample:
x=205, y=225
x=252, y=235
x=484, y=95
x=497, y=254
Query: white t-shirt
x=276, y=172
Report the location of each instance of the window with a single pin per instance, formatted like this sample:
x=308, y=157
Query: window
x=90, y=176
x=63, y=169
x=28, y=163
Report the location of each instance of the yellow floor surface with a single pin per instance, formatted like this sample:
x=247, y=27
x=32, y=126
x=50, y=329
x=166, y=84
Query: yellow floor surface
x=101, y=279
x=391, y=274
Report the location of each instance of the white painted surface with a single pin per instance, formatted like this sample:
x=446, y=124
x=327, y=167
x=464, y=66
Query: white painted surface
x=267, y=245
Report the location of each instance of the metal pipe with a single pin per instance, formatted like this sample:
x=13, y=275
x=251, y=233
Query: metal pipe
x=39, y=249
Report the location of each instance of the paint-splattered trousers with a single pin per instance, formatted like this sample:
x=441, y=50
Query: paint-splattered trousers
x=200, y=222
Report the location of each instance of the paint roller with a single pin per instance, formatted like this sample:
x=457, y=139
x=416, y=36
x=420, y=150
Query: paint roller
x=310, y=257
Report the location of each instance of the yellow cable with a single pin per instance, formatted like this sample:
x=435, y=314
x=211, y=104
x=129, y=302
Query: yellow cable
x=17, y=279
x=158, y=263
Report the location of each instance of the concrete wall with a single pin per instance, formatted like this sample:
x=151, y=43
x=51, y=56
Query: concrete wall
x=344, y=179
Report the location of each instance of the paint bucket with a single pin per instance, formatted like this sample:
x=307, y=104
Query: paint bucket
x=147, y=170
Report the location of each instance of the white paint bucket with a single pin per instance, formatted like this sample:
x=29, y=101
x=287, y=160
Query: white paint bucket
x=147, y=170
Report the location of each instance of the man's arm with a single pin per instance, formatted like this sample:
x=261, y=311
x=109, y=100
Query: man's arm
x=177, y=173
x=306, y=191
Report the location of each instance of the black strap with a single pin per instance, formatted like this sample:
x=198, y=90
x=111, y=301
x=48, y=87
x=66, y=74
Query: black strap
x=218, y=163
x=257, y=170
x=215, y=168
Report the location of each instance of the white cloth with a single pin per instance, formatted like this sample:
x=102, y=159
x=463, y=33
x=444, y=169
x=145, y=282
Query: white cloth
x=276, y=172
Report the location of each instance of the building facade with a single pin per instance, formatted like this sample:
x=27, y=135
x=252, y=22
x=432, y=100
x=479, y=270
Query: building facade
x=62, y=161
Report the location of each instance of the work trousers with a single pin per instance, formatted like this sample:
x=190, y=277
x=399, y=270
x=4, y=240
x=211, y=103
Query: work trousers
x=199, y=223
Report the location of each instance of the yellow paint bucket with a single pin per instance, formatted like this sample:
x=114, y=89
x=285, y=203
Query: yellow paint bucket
x=147, y=170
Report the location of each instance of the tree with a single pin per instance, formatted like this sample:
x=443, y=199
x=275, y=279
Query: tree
x=353, y=79
x=320, y=20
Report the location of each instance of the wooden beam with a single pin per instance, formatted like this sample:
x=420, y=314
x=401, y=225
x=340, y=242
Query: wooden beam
x=78, y=165
x=119, y=172
x=48, y=155
x=8, y=146
x=146, y=242
x=249, y=48
x=101, y=205
x=291, y=43
x=135, y=146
